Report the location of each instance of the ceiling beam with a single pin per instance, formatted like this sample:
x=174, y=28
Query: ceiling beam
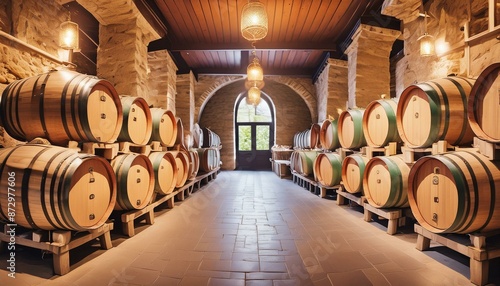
x=167, y=44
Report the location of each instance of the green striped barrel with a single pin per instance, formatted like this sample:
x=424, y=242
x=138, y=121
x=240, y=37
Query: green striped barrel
x=350, y=129
x=327, y=169
x=379, y=123
x=435, y=110
x=385, y=182
x=328, y=135
x=302, y=162
x=353, y=168
x=458, y=192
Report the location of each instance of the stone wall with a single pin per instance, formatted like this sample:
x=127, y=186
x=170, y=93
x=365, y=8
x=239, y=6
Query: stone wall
x=446, y=21
x=162, y=77
x=369, y=65
x=35, y=23
x=292, y=115
x=184, y=101
x=332, y=89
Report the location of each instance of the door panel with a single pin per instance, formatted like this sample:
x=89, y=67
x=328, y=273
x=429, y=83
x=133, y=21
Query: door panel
x=253, y=147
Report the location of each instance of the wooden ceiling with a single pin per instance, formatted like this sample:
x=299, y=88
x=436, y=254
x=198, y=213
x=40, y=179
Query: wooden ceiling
x=204, y=35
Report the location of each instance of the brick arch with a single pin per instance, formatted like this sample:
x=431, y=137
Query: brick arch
x=306, y=91
x=218, y=83
x=298, y=85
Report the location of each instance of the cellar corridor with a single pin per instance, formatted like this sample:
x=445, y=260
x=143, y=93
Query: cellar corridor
x=253, y=228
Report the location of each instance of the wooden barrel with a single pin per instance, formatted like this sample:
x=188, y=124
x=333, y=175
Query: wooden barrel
x=483, y=108
x=379, y=123
x=194, y=164
x=209, y=158
x=328, y=135
x=385, y=182
x=137, y=122
x=303, y=162
x=458, y=192
x=435, y=110
x=55, y=188
x=353, y=168
x=62, y=106
x=165, y=171
x=350, y=129
x=327, y=169
x=309, y=138
x=210, y=138
x=197, y=136
x=164, y=127
x=135, y=179
x=182, y=164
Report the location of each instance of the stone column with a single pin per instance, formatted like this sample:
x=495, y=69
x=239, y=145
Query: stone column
x=368, y=64
x=162, y=79
x=124, y=35
x=332, y=89
x=404, y=10
x=185, y=100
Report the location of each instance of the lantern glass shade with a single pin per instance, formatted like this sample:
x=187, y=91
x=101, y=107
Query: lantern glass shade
x=254, y=21
x=255, y=71
x=68, y=35
x=254, y=96
x=426, y=45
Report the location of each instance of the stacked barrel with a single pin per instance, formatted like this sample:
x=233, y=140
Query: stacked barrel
x=62, y=188
x=207, y=146
x=459, y=191
x=306, y=148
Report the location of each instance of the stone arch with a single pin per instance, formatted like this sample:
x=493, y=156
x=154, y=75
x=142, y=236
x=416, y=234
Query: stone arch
x=296, y=84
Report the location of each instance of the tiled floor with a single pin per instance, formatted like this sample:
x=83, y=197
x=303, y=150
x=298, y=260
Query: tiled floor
x=252, y=228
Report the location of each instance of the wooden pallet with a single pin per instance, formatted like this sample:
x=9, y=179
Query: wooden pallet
x=394, y=216
x=324, y=191
x=204, y=178
x=305, y=182
x=128, y=218
x=61, y=243
x=488, y=149
x=156, y=147
x=128, y=147
x=355, y=198
x=473, y=246
x=392, y=148
x=106, y=150
x=281, y=168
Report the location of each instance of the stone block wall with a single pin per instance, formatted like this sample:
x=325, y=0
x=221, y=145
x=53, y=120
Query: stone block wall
x=162, y=77
x=446, y=21
x=332, y=89
x=184, y=101
x=35, y=23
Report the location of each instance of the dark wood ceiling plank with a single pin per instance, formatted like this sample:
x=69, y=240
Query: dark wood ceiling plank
x=301, y=20
x=327, y=17
x=313, y=16
x=214, y=13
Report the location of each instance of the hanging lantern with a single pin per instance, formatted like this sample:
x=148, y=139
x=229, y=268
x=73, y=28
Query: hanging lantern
x=253, y=96
x=68, y=35
x=254, y=21
x=426, y=41
x=255, y=75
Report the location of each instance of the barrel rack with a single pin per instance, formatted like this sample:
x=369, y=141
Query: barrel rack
x=473, y=246
x=61, y=242
x=311, y=185
x=128, y=218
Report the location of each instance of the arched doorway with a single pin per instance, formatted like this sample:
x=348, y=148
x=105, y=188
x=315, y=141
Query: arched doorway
x=254, y=133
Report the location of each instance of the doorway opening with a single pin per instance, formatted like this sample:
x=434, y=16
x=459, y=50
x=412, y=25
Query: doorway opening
x=254, y=132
